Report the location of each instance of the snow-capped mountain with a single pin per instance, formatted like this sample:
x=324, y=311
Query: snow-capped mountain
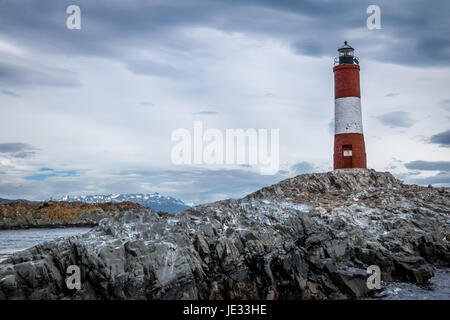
x=155, y=200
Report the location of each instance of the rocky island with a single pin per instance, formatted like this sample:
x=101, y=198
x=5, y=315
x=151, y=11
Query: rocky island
x=307, y=237
x=53, y=214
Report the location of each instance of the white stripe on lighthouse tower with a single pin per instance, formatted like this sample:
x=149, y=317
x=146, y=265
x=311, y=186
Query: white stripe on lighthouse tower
x=347, y=115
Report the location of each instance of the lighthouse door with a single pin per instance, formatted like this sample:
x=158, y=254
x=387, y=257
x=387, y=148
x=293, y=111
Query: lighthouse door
x=347, y=153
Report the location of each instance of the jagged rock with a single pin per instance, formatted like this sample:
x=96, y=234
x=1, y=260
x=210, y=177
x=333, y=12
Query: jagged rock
x=309, y=237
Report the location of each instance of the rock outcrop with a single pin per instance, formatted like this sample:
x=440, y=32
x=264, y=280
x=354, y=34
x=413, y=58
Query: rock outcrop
x=21, y=214
x=308, y=237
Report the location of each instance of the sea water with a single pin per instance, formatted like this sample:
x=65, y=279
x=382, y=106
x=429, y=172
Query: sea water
x=16, y=240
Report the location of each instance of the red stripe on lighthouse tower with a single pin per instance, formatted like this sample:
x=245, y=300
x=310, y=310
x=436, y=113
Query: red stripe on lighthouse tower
x=349, y=147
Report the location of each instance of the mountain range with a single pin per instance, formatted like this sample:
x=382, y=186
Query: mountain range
x=4, y=201
x=155, y=200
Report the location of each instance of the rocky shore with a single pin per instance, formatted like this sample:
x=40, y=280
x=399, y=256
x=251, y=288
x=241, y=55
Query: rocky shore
x=53, y=214
x=308, y=237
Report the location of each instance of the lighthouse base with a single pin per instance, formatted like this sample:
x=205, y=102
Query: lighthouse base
x=349, y=151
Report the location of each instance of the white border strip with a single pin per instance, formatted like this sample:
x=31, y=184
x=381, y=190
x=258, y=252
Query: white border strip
x=347, y=115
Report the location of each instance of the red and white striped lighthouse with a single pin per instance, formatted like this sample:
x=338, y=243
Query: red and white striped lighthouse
x=349, y=148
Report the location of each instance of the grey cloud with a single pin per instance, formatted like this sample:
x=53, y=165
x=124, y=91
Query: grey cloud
x=191, y=184
x=394, y=164
x=445, y=104
x=308, y=48
x=438, y=47
x=23, y=154
x=206, y=112
x=428, y=165
x=331, y=126
x=151, y=68
x=442, y=178
x=17, y=149
x=397, y=119
x=399, y=19
x=110, y=28
x=302, y=167
x=146, y=103
x=392, y=94
x=10, y=93
x=30, y=75
x=40, y=190
x=443, y=138
x=13, y=147
x=14, y=190
x=203, y=185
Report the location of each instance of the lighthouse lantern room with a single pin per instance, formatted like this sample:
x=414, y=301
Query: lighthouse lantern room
x=349, y=147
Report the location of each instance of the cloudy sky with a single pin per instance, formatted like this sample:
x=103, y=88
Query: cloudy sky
x=92, y=110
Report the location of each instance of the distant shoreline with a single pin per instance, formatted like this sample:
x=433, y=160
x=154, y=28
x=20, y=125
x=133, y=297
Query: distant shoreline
x=52, y=214
x=48, y=226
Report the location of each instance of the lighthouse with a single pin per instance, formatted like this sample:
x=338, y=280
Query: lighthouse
x=349, y=147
